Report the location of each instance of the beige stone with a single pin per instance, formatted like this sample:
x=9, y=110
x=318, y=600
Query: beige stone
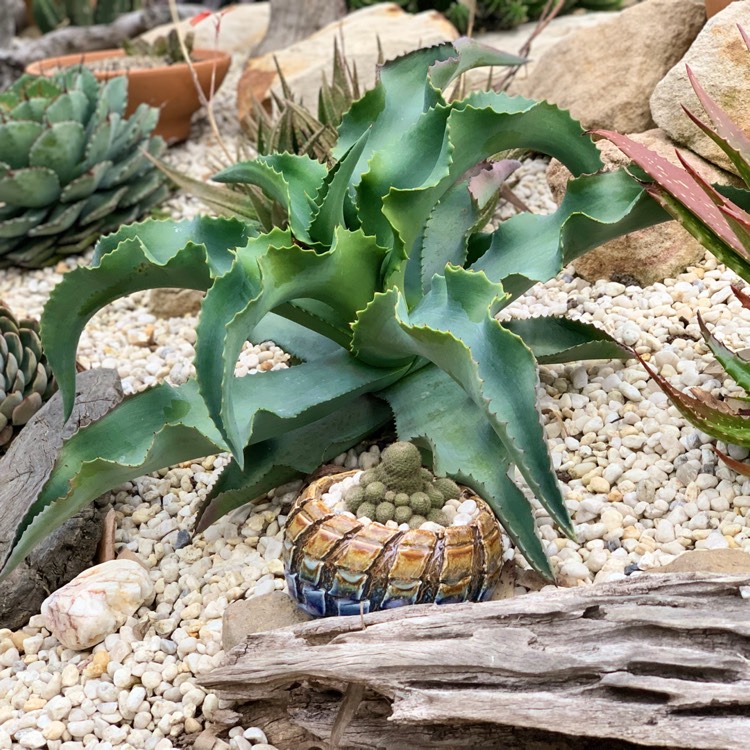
x=304, y=63
x=652, y=254
x=266, y=612
x=241, y=27
x=96, y=603
x=720, y=61
x=174, y=303
x=723, y=561
x=605, y=74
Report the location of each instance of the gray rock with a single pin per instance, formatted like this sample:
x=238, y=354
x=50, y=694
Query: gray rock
x=23, y=470
x=624, y=56
x=720, y=61
x=267, y=612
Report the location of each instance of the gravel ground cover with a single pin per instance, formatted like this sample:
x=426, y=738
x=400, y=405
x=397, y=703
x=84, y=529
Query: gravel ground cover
x=641, y=484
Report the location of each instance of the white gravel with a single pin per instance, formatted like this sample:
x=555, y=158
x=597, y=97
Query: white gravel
x=643, y=486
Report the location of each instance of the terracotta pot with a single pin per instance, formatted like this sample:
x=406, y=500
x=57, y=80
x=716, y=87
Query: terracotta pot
x=171, y=88
x=715, y=6
x=335, y=565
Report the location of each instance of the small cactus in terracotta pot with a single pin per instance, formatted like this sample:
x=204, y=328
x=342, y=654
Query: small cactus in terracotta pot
x=390, y=536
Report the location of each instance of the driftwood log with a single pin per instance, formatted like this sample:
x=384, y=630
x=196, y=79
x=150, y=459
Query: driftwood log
x=654, y=661
x=292, y=20
x=24, y=469
x=70, y=39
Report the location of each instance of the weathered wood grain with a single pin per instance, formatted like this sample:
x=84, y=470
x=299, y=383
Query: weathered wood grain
x=23, y=471
x=652, y=661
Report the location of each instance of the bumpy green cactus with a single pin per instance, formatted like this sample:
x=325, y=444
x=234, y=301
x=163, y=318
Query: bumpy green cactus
x=400, y=489
x=26, y=381
x=51, y=14
x=71, y=165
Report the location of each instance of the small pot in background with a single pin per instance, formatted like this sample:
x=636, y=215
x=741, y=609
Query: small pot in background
x=170, y=88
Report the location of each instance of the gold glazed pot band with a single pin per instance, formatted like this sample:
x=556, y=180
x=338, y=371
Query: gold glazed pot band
x=336, y=565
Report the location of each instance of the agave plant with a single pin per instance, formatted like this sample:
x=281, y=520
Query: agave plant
x=719, y=220
x=385, y=287
x=26, y=381
x=71, y=165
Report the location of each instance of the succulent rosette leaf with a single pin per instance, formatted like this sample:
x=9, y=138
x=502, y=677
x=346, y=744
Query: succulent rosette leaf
x=387, y=299
x=719, y=218
x=72, y=165
x=26, y=381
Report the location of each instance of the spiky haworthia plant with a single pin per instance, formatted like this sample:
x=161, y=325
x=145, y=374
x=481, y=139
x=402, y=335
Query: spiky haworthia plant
x=385, y=287
x=719, y=220
x=26, y=381
x=71, y=165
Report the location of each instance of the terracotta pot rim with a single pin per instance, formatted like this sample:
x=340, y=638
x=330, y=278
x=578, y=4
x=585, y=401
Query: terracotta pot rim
x=51, y=65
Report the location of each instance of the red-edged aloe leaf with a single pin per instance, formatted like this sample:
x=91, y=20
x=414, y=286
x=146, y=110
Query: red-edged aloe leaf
x=671, y=179
x=485, y=185
x=739, y=220
x=741, y=296
x=736, y=217
x=739, y=160
x=292, y=455
x=738, y=368
x=733, y=141
x=148, y=255
x=432, y=410
x=733, y=463
x=554, y=339
x=707, y=413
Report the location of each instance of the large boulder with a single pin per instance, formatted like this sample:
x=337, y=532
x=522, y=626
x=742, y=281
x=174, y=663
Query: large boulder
x=652, y=254
x=605, y=74
x=304, y=63
x=236, y=29
x=721, y=63
x=24, y=469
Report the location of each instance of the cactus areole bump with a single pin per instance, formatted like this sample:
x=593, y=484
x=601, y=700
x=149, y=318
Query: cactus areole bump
x=339, y=564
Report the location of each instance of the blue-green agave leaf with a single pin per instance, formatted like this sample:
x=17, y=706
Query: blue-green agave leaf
x=292, y=455
x=454, y=328
x=290, y=179
x=465, y=447
x=554, y=340
x=262, y=280
x=148, y=255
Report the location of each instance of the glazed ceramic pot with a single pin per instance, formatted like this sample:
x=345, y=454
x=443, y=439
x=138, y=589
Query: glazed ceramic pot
x=171, y=88
x=336, y=565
